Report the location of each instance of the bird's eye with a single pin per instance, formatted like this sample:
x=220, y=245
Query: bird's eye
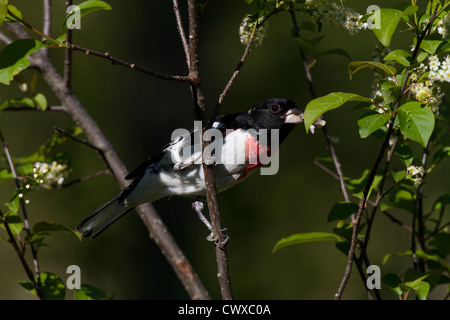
x=275, y=108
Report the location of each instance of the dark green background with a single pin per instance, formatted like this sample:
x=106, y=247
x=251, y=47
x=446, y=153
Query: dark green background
x=138, y=113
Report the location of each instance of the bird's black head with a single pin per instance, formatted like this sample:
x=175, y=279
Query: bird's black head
x=275, y=113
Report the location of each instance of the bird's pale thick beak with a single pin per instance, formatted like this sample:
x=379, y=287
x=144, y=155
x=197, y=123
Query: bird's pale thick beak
x=294, y=115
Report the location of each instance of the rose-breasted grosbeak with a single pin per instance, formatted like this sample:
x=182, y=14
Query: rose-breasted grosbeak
x=169, y=172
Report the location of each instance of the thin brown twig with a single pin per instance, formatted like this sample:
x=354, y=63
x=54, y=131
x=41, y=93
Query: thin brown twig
x=133, y=66
x=26, y=224
x=387, y=214
x=68, y=54
x=223, y=273
x=181, y=32
x=313, y=92
x=85, y=178
x=238, y=68
x=20, y=254
x=23, y=107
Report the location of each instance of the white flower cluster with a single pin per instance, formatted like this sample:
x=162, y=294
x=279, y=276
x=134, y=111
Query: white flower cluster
x=442, y=26
x=415, y=174
x=429, y=92
x=49, y=175
x=246, y=30
x=336, y=15
x=439, y=71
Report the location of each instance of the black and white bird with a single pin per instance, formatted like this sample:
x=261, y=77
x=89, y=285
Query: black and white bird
x=176, y=169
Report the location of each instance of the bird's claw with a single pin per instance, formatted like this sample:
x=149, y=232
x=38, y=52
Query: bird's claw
x=214, y=238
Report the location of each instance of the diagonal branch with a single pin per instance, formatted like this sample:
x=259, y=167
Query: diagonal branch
x=26, y=225
x=158, y=230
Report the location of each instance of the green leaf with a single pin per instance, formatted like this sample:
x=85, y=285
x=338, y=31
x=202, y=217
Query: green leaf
x=14, y=204
x=355, y=66
x=3, y=10
x=398, y=175
x=51, y=226
x=337, y=51
x=441, y=202
x=15, y=12
x=86, y=8
x=304, y=238
x=37, y=101
x=318, y=106
x=416, y=122
x=308, y=45
x=420, y=287
x=5, y=174
x=14, y=222
x=421, y=254
x=52, y=286
x=404, y=153
x=393, y=282
x=432, y=43
x=358, y=185
x=400, y=56
x=441, y=154
x=399, y=197
x=441, y=242
x=371, y=122
x=390, y=92
x=410, y=10
x=389, y=19
x=342, y=210
x=88, y=292
x=14, y=58
x=343, y=246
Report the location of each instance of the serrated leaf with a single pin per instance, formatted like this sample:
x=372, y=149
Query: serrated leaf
x=416, y=122
x=389, y=19
x=14, y=58
x=371, y=122
x=342, y=210
x=319, y=106
x=304, y=238
x=86, y=8
x=355, y=66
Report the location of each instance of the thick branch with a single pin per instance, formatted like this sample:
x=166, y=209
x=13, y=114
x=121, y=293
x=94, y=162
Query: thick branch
x=95, y=136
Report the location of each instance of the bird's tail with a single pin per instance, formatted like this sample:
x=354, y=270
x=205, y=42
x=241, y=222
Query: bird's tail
x=104, y=216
